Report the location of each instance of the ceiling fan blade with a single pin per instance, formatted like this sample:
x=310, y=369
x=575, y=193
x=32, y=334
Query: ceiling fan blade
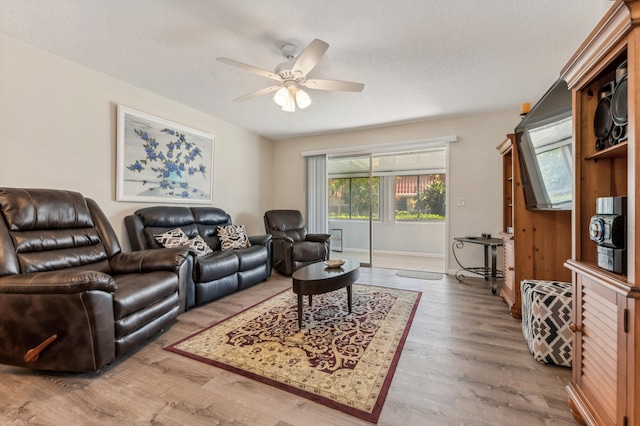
x=257, y=93
x=335, y=85
x=309, y=57
x=250, y=68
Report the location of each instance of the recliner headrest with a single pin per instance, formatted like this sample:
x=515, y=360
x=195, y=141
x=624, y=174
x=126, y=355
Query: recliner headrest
x=35, y=209
x=211, y=216
x=284, y=220
x=165, y=216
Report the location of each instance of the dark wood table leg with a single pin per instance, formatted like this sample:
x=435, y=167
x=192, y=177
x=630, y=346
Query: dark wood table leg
x=300, y=301
x=349, y=299
x=310, y=300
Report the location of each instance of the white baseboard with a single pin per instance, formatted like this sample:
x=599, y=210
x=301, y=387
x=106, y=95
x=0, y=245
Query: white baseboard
x=397, y=253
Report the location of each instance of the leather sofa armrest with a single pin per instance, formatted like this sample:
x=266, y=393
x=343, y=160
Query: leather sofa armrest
x=57, y=282
x=72, y=310
x=135, y=231
x=321, y=238
x=257, y=240
x=149, y=260
x=280, y=236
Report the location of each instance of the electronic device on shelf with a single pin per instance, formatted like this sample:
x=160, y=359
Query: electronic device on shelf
x=607, y=228
x=602, y=120
x=611, y=116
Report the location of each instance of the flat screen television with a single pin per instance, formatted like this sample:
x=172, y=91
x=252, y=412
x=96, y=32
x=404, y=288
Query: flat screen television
x=544, y=141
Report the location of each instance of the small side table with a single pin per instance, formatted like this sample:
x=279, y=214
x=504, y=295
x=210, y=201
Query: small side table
x=490, y=246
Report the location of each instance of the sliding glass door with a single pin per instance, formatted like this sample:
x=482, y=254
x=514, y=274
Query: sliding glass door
x=389, y=209
x=353, y=204
x=410, y=233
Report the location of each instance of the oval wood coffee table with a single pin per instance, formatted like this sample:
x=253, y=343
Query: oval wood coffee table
x=318, y=278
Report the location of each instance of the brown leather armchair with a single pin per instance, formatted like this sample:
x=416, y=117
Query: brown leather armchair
x=70, y=299
x=293, y=247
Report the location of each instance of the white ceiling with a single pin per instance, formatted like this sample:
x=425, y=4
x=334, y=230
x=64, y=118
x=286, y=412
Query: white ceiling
x=418, y=59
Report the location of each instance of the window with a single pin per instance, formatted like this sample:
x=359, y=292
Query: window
x=554, y=161
x=407, y=185
x=545, y=156
x=420, y=197
x=349, y=198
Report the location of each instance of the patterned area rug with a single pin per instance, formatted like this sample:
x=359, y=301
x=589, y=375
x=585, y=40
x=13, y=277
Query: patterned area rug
x=344, y=361
x=421, y=275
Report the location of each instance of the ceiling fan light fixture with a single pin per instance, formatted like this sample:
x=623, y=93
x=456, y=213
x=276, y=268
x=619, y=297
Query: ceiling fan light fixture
x=282, y=97
x=290, y=106
x=292, y=74
x=302, y=99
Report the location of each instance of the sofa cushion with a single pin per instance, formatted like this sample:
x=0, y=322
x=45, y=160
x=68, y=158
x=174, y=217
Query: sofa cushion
x=173, y=238
x=215, y=265
x=141, y=319
x=137, y=291
x=252, y=257
x=233, y=237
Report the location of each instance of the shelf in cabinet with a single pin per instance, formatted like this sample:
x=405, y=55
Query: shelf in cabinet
x=593, y=271
x=615, y=151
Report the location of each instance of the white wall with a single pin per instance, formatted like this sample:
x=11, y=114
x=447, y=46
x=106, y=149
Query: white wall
x=475, y=169
x=421, y=238
x=58, y=130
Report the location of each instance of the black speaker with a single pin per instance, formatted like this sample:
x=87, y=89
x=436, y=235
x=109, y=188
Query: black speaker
x=603, y=120
x=619, y=105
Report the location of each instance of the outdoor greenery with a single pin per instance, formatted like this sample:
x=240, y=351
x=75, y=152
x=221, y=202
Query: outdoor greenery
x=433, y=198
x=349, y=199
x=428, y=205
x=404, y=215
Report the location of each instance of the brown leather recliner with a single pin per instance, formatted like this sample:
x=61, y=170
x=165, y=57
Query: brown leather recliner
x=293, y=247
x=70, y=299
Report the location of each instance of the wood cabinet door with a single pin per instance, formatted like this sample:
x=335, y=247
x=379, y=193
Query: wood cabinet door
x=510, y=292
x=599, y=358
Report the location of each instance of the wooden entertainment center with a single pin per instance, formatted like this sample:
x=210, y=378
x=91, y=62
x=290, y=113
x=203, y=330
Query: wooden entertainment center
x=535, y=243
x=605, y=385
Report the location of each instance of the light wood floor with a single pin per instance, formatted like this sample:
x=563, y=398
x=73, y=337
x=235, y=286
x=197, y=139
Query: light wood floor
x=465, y=362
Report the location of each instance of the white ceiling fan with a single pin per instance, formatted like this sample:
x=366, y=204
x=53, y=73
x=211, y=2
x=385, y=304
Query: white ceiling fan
x=292, y=76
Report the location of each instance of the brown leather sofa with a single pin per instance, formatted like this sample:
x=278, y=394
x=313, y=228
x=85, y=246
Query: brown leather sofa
x=213, y=275
x=293, y=247
x=70, y=299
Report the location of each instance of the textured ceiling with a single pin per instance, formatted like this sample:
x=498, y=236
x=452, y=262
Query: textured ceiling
x=418, y=59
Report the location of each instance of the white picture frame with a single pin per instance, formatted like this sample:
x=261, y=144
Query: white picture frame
x=159, y=161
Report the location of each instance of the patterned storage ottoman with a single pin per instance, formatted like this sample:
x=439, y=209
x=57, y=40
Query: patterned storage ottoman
x=546, y=316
